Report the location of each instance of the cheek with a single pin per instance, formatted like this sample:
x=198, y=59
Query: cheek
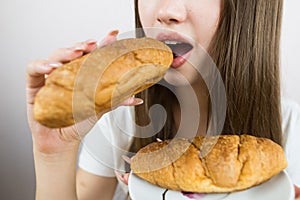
x=204, y=19
x=205, y=28
x=147, y=12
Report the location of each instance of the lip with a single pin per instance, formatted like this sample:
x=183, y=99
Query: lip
x=172, y=36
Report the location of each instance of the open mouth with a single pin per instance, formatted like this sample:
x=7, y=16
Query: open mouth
x=178, y=48
x=180, y=51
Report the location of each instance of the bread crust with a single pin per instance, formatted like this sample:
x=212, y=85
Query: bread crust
x=100, y=80
x=234, y=163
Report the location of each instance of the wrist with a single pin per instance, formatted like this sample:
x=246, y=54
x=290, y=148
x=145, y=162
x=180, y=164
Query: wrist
x=53, y=150
x=56, y=174
x=55, y=157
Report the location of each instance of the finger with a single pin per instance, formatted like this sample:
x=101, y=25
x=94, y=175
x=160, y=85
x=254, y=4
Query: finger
x=68, y=54
x=132, y=101
x=110, y=38
x=126, y=177
x=122, y=177
x=36, y=71
x=86, y=46
x=35, y=77
x=126, y=159
x=90, y=45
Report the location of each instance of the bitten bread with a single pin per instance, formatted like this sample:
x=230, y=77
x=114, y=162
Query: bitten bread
x=100, y=80
x=234, y=163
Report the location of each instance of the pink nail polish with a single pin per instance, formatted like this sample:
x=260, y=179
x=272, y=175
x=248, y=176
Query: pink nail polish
x=114, y=33
x=53, y=65
x=138, y=101
x=91, y=41
x=78, y=48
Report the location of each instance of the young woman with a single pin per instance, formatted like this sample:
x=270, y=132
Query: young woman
x=242, y=38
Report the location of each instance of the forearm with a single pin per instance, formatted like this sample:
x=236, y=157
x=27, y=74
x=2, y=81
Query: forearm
x=56, y=175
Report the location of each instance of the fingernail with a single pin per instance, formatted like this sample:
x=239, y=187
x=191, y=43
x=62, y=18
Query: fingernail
x=91, y=41
x=138, y=101
x=53, y=65
x=126, y=159
x=114, y=33
x=79, y=48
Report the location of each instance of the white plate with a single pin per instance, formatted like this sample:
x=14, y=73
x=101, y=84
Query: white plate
x=279, y=187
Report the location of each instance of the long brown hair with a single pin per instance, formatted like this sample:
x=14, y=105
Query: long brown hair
x=245, y=48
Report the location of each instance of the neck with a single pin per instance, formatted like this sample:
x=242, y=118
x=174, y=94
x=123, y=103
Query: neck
x=192, y=113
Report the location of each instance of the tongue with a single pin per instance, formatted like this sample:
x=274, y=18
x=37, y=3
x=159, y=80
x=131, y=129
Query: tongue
x=180, y=49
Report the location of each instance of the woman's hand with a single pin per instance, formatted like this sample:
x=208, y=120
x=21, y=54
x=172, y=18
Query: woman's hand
x=46, y=140
x=55, y=150
x=124, y=177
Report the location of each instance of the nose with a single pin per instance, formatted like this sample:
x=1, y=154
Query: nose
x=171, y=12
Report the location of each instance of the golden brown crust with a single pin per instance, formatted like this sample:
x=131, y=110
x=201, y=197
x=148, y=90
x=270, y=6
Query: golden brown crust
x=100, y=80
x=234, y=163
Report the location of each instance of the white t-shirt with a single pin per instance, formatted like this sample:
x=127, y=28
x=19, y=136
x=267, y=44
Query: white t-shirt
x=102, y=149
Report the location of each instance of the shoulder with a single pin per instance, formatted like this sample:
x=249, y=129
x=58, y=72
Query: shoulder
x=291, y=137
x=290, y=120
x=290, y=105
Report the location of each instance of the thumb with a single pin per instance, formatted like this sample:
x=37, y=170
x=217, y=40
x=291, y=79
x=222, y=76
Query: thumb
x=110, y=38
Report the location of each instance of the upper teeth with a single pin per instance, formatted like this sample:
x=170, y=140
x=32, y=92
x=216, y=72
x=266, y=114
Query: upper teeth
x=171, y=42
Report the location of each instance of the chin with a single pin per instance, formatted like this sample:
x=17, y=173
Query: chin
x=184, y=76
x=175, y=79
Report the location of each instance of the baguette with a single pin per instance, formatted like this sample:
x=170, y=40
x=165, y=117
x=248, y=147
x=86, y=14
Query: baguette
x=235, y=163
x=98, y=81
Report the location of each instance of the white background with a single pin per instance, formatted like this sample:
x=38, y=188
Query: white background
x=32, y=29
x=290, y=51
